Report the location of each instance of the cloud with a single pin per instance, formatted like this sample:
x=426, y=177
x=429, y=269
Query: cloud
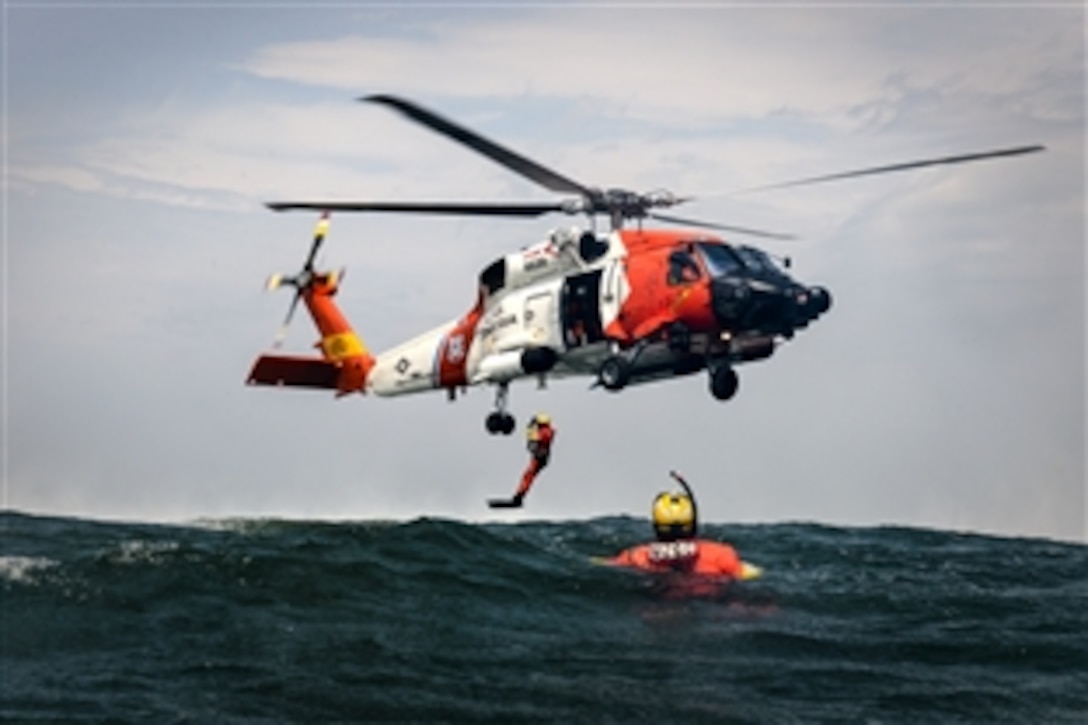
x=696, y=65
x=865, y=85
x=942, y=388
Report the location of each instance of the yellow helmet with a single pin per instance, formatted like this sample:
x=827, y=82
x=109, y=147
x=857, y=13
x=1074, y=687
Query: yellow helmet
x=543, y=419
x=674, y=516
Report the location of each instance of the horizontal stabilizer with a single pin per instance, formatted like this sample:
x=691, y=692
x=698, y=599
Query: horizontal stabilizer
x=301, y=372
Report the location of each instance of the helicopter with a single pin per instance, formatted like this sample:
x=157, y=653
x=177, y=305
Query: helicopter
x=626, y=306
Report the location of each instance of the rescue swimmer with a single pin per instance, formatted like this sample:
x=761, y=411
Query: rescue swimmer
x=539, y=434
x=677, y=548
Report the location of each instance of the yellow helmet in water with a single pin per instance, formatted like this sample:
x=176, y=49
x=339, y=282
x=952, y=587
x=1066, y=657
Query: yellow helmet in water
x=674, y=516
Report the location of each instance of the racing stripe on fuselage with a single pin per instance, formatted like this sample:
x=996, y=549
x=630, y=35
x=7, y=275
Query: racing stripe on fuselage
x=451, y=355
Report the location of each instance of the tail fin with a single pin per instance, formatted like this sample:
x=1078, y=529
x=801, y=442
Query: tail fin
x=344, y=363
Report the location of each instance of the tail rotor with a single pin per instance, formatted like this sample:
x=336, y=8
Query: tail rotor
x=300, y=281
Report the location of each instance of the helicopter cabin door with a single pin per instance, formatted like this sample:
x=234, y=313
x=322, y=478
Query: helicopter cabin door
x=580, y=312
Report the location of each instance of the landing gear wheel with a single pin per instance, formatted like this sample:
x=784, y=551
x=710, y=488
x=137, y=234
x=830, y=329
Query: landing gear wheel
x=614, y=373
x=723, y=382
x=499, y=422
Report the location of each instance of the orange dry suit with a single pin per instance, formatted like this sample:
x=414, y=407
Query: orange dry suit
x=694, y=556
x=540, y=437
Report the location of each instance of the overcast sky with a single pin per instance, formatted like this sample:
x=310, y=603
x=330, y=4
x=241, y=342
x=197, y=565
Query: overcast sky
x=945, y=388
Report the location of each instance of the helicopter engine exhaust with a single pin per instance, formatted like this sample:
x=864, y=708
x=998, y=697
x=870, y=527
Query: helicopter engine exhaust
x=538, y=359
x=513, y=364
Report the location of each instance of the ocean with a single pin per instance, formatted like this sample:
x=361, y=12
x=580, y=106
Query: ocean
x=433, y=620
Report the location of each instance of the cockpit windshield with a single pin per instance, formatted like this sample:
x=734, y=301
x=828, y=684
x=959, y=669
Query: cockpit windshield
x=720, y=260
x=757, y=261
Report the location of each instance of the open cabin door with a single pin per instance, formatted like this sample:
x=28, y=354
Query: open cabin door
x=580, y=311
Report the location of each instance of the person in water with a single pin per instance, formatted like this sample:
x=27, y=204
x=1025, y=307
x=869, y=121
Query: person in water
x=677, y=548
x=539, y=436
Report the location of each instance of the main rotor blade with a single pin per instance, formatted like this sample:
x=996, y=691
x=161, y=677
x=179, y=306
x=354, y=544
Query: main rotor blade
x=906, y=166
x=511, y=160
x=466, y=208
x=722, y=227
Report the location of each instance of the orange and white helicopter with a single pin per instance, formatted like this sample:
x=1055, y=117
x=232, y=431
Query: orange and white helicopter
x=628, y=306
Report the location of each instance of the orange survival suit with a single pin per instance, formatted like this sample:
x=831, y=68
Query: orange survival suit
x=539, y=435
x=677, y=549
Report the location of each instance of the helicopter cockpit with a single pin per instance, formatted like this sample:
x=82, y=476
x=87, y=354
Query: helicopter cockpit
x=720, y=260
x=724, y=260
x=751, y=293
x=761, y=264
x=682, y=268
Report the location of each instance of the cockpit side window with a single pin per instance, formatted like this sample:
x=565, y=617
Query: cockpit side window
x=493, y=278
x=720, y=260
x=590, y=248
x=682, y=268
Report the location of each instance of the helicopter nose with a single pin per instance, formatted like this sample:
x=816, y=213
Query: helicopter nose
x=808, y=304
x=758, y=306
x=750, y=304
x=813, y=302
x=819, y=301
x=730, y=298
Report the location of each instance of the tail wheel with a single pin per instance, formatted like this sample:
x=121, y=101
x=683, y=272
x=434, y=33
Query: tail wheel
x=723, y=382
x=614, y=373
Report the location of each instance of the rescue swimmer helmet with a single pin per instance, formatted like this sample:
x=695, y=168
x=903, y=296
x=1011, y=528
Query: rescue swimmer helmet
x=542, y=419
x=674, y=516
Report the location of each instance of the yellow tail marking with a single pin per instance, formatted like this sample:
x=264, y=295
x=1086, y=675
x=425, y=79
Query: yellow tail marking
x=342, y=345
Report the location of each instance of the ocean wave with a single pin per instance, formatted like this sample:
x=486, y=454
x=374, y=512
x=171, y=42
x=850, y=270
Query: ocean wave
x=435, y=619
x=23, y=569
